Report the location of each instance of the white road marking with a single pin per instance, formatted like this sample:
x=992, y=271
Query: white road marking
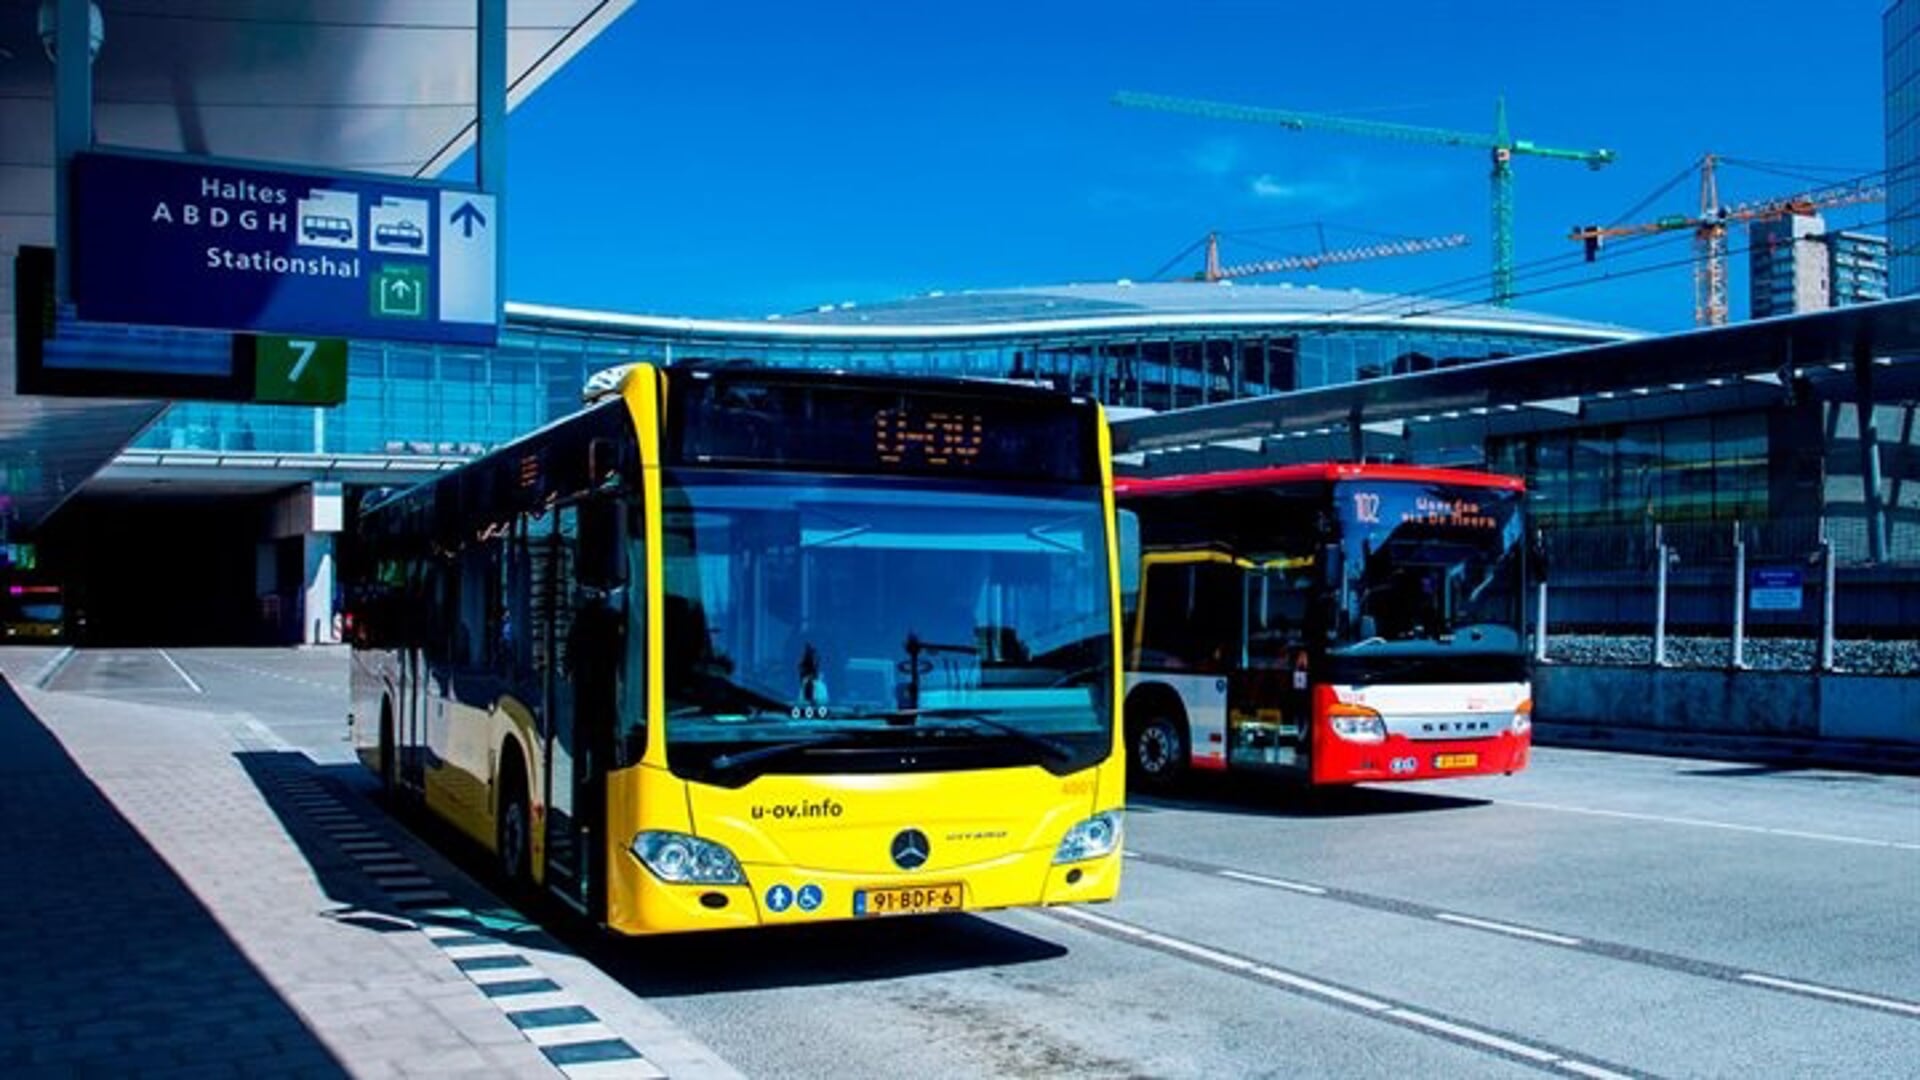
x=1266, y=973
x=1301, y=982
x=485, y=976
x=1474, y=1035
x=262, y=673
x=1595, y=1071
x=1276, y=883
x=1839, y=995
x=180, y=671
x=278, y=745
x=1704, y=824
x=476, y=949
x=540, y=999
x=1228, y=960
x=51, y=668
x=1505, y=928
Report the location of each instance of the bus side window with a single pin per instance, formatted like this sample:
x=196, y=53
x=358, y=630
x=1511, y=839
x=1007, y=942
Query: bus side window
x=1191, y=619
x=1163, y=616
x=630, y=742
x=537, y=543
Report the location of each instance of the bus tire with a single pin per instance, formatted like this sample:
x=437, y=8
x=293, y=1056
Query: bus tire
x=1156, y=748
x=389, y=752
x=513, y=827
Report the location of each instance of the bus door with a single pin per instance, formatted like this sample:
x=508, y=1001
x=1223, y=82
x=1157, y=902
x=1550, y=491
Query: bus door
x=1267, y=688
x=410, y=735
x=589, y=630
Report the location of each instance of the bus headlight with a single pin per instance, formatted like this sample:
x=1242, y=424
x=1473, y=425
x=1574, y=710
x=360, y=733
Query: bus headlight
x=1522, y=717
x=1098, y=835
x=687, y=860
x=1356, y=723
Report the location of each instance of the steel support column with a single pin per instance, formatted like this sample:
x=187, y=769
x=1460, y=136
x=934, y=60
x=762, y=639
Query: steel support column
x=1876, y=518
x=490, y=136
x=72, y=125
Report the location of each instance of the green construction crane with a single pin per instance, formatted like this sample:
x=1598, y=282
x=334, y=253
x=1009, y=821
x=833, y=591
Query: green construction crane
x=1503, y=146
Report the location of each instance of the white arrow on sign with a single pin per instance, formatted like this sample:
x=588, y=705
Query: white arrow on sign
x=469, y=232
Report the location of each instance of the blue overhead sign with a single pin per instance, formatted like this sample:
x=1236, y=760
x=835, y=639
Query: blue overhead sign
x=176, y=242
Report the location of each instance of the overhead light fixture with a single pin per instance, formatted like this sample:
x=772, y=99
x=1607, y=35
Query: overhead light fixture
x=49, y=26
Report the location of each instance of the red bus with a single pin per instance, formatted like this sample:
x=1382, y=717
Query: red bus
x=1334, y=623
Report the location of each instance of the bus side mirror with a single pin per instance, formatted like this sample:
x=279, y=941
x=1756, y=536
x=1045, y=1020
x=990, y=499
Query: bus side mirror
x=602, y=556
x=1127, y=533
x=1330, y=568
x=603, y=462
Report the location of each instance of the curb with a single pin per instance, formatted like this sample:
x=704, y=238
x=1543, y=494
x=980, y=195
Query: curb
x=1899, y=758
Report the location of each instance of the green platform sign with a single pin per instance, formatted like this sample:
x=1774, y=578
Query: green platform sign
x=299, y=370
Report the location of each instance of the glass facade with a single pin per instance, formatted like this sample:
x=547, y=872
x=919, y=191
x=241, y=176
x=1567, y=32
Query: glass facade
x=1697, y=468
x=1857, y=264
x=414, y=399
x=1900, y=36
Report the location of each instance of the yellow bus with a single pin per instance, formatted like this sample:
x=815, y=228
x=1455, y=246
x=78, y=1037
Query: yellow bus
x=739, y=647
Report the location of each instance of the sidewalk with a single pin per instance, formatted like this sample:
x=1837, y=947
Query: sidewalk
x=185, y=897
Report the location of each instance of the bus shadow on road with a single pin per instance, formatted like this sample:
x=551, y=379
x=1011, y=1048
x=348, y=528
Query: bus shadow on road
x=821, y=954
x=1293, y=801
x=670, y=965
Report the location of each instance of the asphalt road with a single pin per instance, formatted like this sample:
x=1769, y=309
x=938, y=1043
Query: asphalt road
x=1599, y=914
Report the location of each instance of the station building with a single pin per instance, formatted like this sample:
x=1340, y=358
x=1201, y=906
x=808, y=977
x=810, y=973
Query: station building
x=274, y=485
x=1155, y=346
x=1773, y=454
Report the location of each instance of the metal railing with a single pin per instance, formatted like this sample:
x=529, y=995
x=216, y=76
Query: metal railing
x=1792, y=594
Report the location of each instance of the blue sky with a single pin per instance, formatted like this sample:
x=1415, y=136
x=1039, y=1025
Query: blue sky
x=753, y=157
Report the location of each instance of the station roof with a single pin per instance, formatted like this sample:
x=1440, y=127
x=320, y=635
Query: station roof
x=1117, y=308
x=1776, y=351
x=381, y=86
x=1219, y=301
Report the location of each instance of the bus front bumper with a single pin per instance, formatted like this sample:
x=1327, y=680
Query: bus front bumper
x=1337, y=761
x=784, y=895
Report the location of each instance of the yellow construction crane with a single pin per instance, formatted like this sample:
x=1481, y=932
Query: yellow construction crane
x=1502, y=146
x=1709, y=228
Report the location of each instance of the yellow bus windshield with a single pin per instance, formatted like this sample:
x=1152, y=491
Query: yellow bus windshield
x=826, y=624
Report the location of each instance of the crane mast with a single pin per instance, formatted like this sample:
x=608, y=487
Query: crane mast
x=1709, y=227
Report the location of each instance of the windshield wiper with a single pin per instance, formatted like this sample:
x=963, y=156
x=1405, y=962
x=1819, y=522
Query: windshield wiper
x=1052, y=747
x=726, y=763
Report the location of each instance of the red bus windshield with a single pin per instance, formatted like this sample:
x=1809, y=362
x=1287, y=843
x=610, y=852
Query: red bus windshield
x=1428, y=568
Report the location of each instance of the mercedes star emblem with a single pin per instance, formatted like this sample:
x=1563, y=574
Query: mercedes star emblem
x=910, y=849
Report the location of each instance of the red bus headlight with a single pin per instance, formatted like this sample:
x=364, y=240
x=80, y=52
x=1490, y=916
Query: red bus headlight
x=1356, y=723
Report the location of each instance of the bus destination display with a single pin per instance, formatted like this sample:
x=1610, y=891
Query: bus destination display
x=770, y=422
x=938, y=440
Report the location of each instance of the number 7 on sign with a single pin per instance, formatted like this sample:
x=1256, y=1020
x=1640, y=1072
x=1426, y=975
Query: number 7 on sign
x=306, y=348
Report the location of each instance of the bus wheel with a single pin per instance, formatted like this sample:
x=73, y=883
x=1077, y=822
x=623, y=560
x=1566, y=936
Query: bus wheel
x=1159, y=751
x=515, y=833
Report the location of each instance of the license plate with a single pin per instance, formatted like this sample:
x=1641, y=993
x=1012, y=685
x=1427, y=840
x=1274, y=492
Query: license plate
x=1455, y=761
x=907, y=899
